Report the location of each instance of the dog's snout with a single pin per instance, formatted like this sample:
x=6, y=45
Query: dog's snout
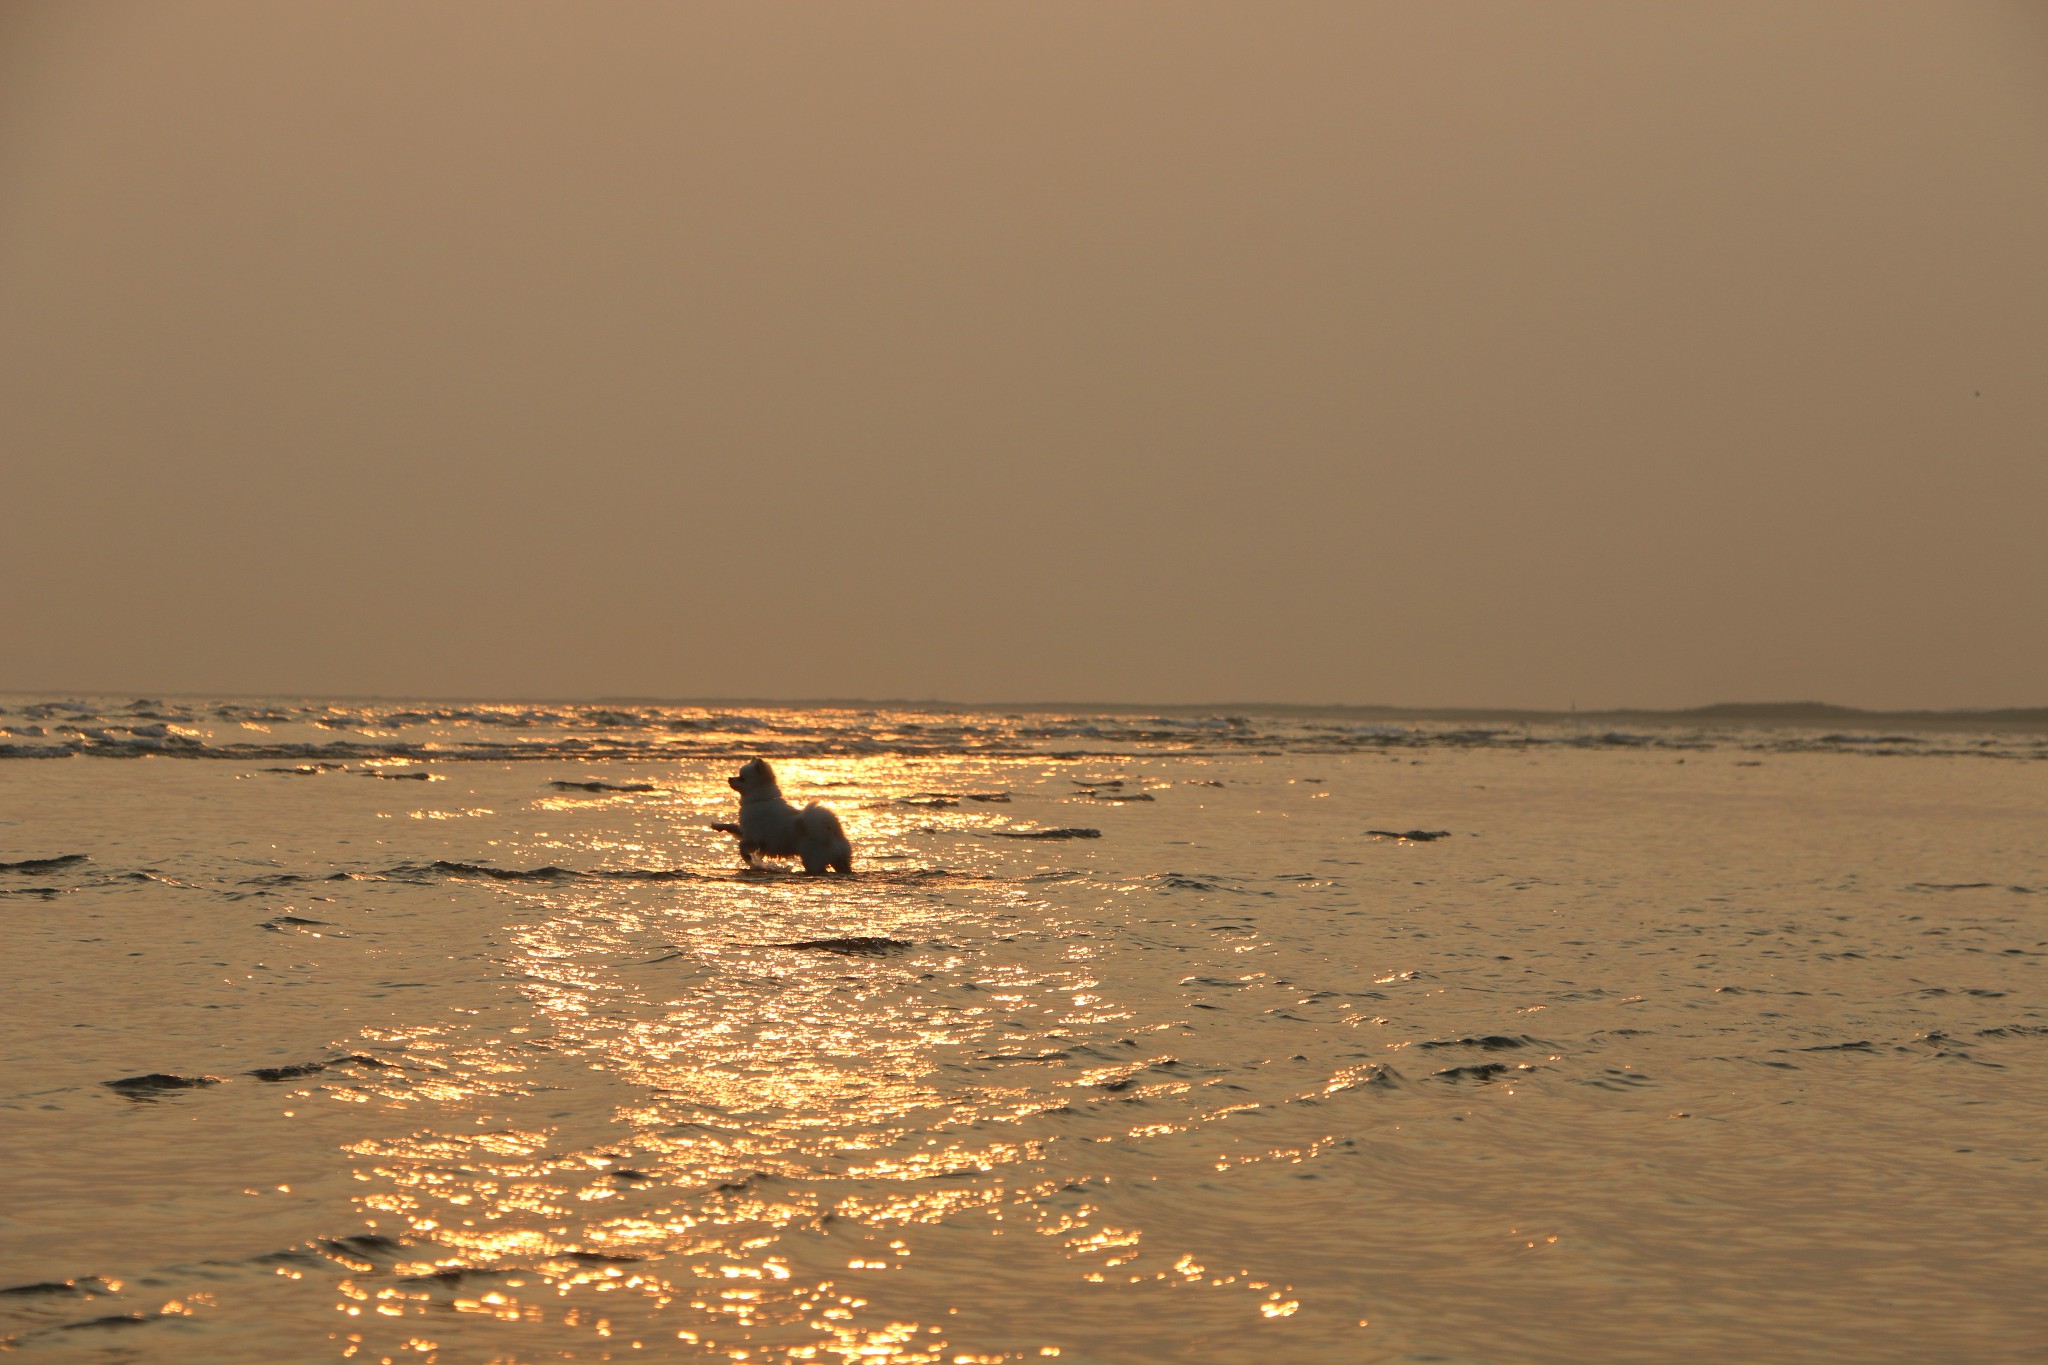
x=733, y=782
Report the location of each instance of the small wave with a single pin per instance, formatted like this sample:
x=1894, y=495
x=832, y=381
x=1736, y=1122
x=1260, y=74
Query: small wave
x=297, y=1070
x=1207, y=881
x=1490, y=1042
x=855, y=946
x=157, y=1083
x=85, y=1287
x=1074, y=832
x=444, y=868
x=44, y=864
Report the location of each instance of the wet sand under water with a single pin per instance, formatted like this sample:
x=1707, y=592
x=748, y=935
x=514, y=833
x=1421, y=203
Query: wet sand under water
x=1653, y=1056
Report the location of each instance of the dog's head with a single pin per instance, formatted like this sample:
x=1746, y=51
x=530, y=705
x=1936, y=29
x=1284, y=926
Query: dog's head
x=755, y=777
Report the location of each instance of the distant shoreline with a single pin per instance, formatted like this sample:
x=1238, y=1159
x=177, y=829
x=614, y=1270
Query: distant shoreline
x=1802, y=714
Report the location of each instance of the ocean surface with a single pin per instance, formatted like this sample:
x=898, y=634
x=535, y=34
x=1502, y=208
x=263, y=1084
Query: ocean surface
x=439, y=1033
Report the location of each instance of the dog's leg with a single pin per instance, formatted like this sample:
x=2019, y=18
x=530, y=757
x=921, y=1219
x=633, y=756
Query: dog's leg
x=843, y=864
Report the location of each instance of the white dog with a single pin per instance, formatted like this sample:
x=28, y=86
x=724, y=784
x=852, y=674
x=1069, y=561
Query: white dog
x=772, y=827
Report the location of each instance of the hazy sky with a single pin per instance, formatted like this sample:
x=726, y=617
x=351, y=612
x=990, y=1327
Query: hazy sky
x=1423, y=353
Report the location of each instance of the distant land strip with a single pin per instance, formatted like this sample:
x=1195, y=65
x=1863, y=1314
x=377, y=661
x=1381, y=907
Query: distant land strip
x=1804, y=714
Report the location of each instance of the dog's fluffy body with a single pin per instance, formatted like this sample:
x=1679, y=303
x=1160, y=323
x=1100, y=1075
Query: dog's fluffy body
x=771, y=827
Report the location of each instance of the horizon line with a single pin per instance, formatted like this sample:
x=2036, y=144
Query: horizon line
x=1729, y=710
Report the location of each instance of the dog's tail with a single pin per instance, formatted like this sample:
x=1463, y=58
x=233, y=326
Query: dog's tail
x=819, y=822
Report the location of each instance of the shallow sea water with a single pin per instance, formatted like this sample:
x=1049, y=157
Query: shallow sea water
x=1677, y=1045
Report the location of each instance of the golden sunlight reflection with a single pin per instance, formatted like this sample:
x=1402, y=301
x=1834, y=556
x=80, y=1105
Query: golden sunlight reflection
x=814, y=1083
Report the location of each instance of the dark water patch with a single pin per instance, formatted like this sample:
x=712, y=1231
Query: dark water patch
x=407, y=777
x=1413, y=836
x=1118, y=1084
x=460, y=871
x=1616, y=1078
x=295, y=1256
x=1476, y=1071
x=150, y=874
x=47, y=893
x=157, y=1083
x=1066, y=833
x=943, y=876
x=444, y=868
x=873, y=876
x=853, y=946
x=296, y=878
x=1489, y=1042
x=111, y=1320
x=616, y=1258
x=1861, y=1045
x=84, y=1287
x=307, y=769
x=1119, y=796
x=1952, y=886
x=282, y=923
x=457, y=1277
x=299, y=1070
x=363, y=1249
x=1619, y=739
x=44, y=864
x=563, y=785
x=1941, y=1047
x=1378, y=1076
x=928, y=802
x=2015, y=1031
